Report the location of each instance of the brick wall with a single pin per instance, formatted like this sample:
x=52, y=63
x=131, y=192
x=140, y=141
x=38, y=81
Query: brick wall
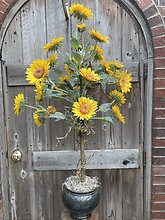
x=154, y=11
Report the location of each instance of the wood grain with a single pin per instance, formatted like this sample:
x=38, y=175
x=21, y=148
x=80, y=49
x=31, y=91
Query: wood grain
x=95, y=159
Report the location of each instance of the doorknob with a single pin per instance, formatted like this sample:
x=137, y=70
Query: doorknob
x=16, y=155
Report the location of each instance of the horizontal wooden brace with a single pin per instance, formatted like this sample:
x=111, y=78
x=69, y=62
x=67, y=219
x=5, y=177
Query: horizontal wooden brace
x=95, y=159
x=16, y=74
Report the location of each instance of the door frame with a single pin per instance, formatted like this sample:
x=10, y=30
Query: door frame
x=135, y=11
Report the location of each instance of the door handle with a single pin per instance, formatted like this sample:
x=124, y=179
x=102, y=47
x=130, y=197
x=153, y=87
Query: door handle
x=16, y=155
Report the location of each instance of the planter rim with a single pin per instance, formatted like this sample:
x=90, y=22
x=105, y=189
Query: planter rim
x=80, y=193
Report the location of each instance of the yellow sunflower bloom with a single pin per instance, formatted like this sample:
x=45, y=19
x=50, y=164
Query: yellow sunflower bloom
x=63, y=78
x=56, y=43
x=39, y=119
x=116, y=64
x=51, y=109
x=117, y=96
x=125, y=82
x=117, y=113
x=89, y=74
x=52, y=58
x=80, y=12
x=68, y=70
x=39, y=90
x=38, y=70
x=106, y=67
x=47, y=47
x=19, y=102
x=81, y=27
x=98, y=37
x=85, y=108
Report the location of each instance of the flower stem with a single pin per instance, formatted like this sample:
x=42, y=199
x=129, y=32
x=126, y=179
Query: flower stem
x=82, y=157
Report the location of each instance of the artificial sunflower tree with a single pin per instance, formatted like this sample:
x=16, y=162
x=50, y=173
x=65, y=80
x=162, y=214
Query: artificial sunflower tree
x=84, y=69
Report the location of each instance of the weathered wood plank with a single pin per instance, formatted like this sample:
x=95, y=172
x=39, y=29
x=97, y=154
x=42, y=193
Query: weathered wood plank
x=4, y=150
x=16, y=74
x=96, y=159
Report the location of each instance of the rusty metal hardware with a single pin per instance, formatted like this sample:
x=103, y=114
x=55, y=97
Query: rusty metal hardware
x=16, y=155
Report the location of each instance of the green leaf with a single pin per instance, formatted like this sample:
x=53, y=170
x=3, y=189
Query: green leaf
x=58, y=71
x=77, y=56
x=87, y=48
x=74, y=43
x=105, y=107
x=107, y=119
x=103, y=76
x=58, y=116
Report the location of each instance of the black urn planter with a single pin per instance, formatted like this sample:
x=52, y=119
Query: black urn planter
x=80, y=205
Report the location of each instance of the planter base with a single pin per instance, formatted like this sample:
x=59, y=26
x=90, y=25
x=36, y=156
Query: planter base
x=66, y=216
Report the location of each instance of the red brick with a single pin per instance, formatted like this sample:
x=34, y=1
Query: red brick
x=160, y=52
x=158, y=180
x=158, y=197
x=157, y=113
x=159, y=103
x=3, y=7
x=159, y=152
x=162, y=10
x=161, y=162
x=159, y=73
x=159, y=171
x=10, y=1
x=159, y=132
x=160, y=63
x=159, y=41
x=159, y=83
x=158, y=142
x=145, y=4
x=158, y=123
x=158, y=215
x=159, y=93
x=154, y=21
x=158, y=206
x=148, y=12
x=158, y=188
x=161, y=2
x=158, y=31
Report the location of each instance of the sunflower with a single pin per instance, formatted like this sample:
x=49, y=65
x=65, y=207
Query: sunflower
x=68, y=70
x=85, y=108
x=19, y=103
x=117, y=113
x=64, y=77
x=106, y=67
x=125, y=82
x=98, y=37
x=52, y=58
x=89, y=74
x=51, y=109
x=80, y=12
x=39, y=90
x=81, y=27
x=39, y=117
x=56, y=43
x=116, y=64
x=112, y=67
x=38, y=70
x=117, y=96
x=99, y=52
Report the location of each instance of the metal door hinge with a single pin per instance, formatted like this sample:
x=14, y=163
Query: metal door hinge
x=144, y=158
x=145, y=71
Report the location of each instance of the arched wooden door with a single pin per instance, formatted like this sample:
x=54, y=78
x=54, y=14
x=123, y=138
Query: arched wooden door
x=35, y=190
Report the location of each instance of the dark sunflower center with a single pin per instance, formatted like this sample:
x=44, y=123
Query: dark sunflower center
x=38, y=73
x=85, y=108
